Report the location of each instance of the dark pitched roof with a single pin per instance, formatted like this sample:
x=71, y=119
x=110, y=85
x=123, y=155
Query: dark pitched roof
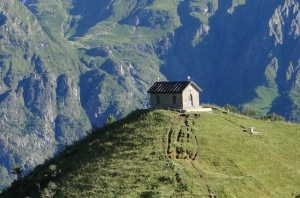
x=171, y=87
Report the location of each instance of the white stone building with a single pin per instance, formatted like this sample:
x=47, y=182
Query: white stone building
x=179, y=95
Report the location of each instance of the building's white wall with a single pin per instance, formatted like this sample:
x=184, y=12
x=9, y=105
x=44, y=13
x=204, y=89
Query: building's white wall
x=190, y=90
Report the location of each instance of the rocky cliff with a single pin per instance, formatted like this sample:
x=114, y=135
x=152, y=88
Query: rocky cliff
x=65, y=66
x=246, y=55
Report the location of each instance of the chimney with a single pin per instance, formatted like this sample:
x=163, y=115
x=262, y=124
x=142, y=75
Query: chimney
x=189, y=78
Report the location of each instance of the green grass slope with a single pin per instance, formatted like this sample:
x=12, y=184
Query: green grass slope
x=165, y=154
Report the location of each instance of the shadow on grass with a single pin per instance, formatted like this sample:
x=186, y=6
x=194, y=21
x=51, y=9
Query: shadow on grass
x=73, y=158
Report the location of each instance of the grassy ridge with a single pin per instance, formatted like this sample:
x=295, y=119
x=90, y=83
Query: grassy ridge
x=163, y=154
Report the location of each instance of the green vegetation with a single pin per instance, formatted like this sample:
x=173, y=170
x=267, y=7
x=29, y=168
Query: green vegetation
x=231, y=108
x=273, y=117
x=250, y=112
x=163, y=154
x=110, y=119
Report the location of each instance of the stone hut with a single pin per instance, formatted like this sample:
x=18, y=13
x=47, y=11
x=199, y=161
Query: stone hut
x=179, y=95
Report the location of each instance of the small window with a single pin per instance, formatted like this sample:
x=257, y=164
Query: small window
x=174, y=100
x=157, y=100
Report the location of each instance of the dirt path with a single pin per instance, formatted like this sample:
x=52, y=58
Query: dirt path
x=183, y=145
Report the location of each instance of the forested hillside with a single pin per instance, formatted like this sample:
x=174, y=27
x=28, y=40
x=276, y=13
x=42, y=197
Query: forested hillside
x=66, y=65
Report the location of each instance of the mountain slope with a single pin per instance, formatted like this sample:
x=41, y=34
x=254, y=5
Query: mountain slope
x=162, y=153
x=38, y=92
x=247, y=55
x=65, y=66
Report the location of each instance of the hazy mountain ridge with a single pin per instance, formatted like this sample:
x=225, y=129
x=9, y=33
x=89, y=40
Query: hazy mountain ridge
x=67, y=65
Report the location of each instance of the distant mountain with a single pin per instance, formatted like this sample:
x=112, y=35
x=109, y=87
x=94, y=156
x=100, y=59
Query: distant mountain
x=65, y=66
x=166, y=154
x=247, y=55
